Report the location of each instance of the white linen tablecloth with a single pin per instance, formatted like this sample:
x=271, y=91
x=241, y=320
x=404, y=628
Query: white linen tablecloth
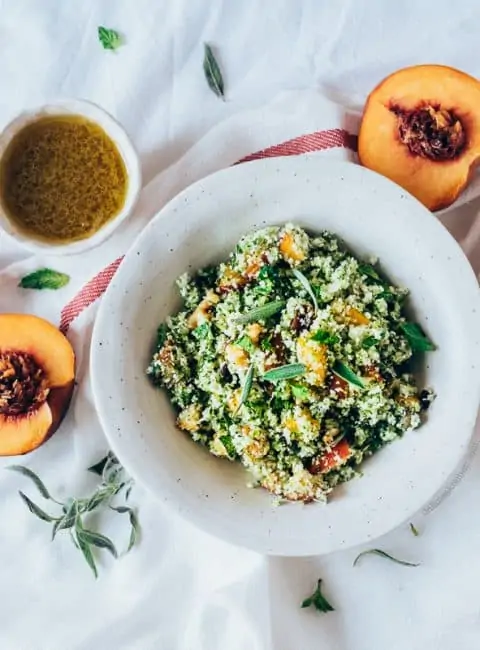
x=284, y=64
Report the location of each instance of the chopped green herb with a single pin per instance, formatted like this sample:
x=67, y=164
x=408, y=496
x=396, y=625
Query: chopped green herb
x=387, y=556
x=416, y=338
x=347, y=373
x=318, y=600
x=162, y=332
x=368, y=342
x=266, y=343
x=246, y=343
x=322, y=336
x=300, y=392
x=288, y=371
x=44, y=279
x=229, y=446
x=266, y=280
x=202, y=331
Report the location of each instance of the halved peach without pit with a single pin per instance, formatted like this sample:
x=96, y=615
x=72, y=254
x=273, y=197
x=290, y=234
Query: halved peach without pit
x=421, y=128
x=37, y=372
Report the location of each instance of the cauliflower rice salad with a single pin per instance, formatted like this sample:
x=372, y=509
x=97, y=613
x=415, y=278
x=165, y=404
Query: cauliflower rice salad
x=292, y=357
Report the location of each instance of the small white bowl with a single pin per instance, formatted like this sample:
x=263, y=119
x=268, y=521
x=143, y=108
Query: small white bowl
x=117, y=134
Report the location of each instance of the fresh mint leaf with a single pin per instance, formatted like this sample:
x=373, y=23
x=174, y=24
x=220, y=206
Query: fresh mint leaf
x=109, y=38
x=318, y=600
x=44, y=279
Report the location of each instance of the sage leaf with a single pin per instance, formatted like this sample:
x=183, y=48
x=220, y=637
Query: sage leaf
x=414, y=530
x=93, y=538
x=261, y=313
x=41, y=514
x=135, y=526
x=318, y=600
x=44, y=279
x=307, y=286
x=371, y=272
x=32, y=476
x=212, y=72
x=87, y=553
x=109, y=38
x=247, y=387
x=347, y=373
x=98, y=467
x=135, y=530
x=288, y=371
x=416, y=338
x=387, y=556
x=67, y=521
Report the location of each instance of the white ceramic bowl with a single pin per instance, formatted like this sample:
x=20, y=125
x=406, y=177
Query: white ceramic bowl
x=202, y=225
x=116, y=132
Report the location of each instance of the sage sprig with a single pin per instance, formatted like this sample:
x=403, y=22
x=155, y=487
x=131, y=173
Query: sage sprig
x=212, y=72
x=416, y=338
x=288, y=371
x=247, y=387
x=307, y=286
x=261, y=313
x=75, y=511
x=386, y=556
x=343, y=371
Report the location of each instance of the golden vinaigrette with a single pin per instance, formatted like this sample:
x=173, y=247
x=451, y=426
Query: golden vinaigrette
x=62, y=178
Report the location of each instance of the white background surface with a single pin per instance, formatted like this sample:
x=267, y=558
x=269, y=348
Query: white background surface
x=180, y=588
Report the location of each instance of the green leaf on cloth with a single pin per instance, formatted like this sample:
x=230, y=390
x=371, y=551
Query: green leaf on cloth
x=44, y=279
